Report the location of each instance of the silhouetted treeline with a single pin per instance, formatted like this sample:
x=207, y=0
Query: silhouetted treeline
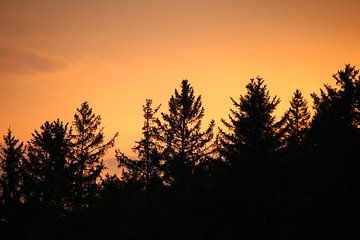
x=260, y=177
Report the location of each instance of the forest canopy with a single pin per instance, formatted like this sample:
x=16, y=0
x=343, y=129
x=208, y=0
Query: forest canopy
x=254, y=176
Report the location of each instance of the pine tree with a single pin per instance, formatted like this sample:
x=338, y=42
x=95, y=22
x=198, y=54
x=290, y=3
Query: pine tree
x=11, y=157
x=252, y=129
x=337, y=112
x=296, y=120
x=47, y=175
x=248, y=146
x=340, y=104
x=145, y=170
x=332, y=144
x=88, y=149
x=186, y=146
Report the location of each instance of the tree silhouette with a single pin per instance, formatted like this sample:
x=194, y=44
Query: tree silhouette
x=88, y=150
x=252, y=129
x=332, y=146
x=296, y=120
x=146, y=170
x=47, y=175
x=11, y=157
x=336, y=121
x=179, y=186
x=186, y=146
x=248, y=144
x=340, y=105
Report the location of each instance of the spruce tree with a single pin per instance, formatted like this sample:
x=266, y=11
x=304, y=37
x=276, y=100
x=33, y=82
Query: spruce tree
x=88, y=150
x=251, y=131
x=186, y=145
x=248, y=144
x=145, y=171
x=341, y=104
x=11, y=157
x=296, y=120
x=47, y=174
x=332, y=145
x=335, y=125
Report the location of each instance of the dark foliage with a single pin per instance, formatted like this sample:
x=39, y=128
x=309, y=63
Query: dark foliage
x=185, y=145
x=88, y=150
x=46, y=169
x=144, y=173
x=296, y=121
x=11, y=158
x=252, y=129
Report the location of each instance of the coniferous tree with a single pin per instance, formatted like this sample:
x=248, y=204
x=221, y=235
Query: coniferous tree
x=248, y=146
x=340, y=105
x=11, y=157
x=296, y=120
x=88, y=150
x=146, y=170
x=332, y=145
x=335, y=126
x=186, y=146
x=46, y=169
x=252, y=129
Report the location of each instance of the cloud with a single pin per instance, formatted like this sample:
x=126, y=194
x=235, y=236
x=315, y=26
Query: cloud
x=23, y=61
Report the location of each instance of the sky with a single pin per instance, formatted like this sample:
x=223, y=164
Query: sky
x=56, y=54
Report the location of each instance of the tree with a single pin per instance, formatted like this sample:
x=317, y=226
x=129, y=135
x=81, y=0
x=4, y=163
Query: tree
x=332, y=145
x=186, y=146
x=144, y=171
x=296, y=120
x=248, y=144
x=340, y=105
x=336, y=124
x=47, y=175
x=11, y=157
x=252, y=129
x=88, y=150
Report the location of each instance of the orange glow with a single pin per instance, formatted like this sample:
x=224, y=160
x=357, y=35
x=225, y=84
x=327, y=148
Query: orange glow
x=56, y=54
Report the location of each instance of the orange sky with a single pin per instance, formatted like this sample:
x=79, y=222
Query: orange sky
x=56, y=54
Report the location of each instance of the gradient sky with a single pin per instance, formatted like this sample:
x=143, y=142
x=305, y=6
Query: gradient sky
x=56, y=54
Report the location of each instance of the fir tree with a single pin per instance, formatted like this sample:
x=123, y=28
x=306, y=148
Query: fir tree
x=332, y=145
x=248, y=146
x=186, y=146
x=252, y=129
x=11, y=157
x=47, y=175
x=340, y=104
x=144, y=171
x=337, y=112
x=296, y=120
x=88, y=151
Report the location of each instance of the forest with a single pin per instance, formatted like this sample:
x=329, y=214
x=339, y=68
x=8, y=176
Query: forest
x=254, y=176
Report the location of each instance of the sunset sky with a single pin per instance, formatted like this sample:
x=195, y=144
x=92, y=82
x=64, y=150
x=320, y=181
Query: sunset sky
x=56, y=54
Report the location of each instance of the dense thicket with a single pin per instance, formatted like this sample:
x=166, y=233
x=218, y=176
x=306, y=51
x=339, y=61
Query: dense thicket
x=261, y=178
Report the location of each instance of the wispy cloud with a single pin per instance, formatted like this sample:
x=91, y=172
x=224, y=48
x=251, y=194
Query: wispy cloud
x=16, y=60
